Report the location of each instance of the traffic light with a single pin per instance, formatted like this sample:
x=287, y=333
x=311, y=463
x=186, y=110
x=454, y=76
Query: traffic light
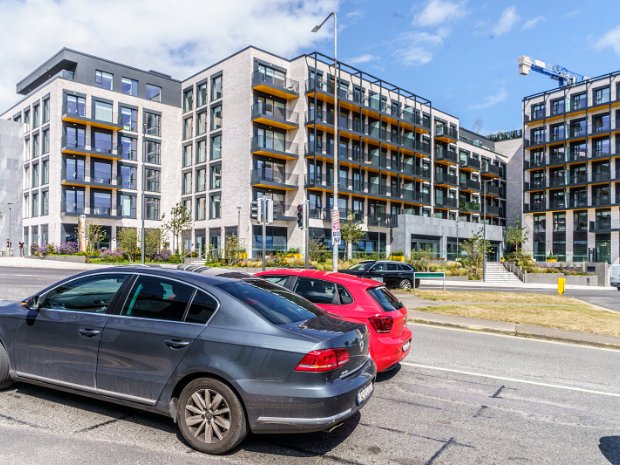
x=300, y=215
x=256, y=211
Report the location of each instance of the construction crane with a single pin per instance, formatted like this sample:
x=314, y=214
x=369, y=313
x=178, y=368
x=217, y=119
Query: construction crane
x=557, y=72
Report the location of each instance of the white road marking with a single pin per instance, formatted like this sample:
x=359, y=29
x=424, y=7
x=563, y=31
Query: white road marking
x=514, y=380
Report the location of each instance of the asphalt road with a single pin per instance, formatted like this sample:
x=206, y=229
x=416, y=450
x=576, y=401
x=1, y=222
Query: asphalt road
x=460, y=398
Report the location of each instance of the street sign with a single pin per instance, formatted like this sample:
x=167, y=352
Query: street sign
x=336, y=238
x=335, y=220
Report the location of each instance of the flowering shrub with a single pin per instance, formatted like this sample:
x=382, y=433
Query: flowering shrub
x=162, y=256
x=68, y=248
x=38, y=250
x=112, y=255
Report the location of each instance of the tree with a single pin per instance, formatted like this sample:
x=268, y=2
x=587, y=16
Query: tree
x=351, y=232
x=96, y=235
x=231, y=249
x=421, y=259
x=474, y=250
x=318, y=251
x=152, y=242
x=515, y=236
x=127, y=241
x=180, y=220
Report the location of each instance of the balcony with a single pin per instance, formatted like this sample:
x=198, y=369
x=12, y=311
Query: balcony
x=469, y=207
x=109, y=121
x=557, y=159
x=274, y=179
x=490, y=170
x=447, y=157
x=601, y=176
x=274, y=148
x=491, y=210
x=600, y=154
x=319, y=213
x=446, y=202
x=578, y=132
x=557, y=181
x=600, y=128
x=557, y=204
x=536, y=184
x=323, y=120
x=446, y=134
x=538, y=162
x=536, y=206
x=284, y=212
x=275, y=117
x=603, y=225
x=469, y=185
x=423, y=173
x=491, y=190
x=80, y=148
x=574, y=179
x=536, y=141
x=105, y=212
x=275, y=85
x=421, y=147
x=601, y=200
x=578, y=156
x=386, y=220
x=445, y=179
x=578, y=202
x=469, y=164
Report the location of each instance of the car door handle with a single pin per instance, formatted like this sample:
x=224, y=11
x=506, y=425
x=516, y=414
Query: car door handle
x=87, y=332
x=176, y=343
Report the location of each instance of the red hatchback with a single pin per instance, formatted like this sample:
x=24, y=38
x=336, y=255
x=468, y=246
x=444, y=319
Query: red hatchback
x=354, y=299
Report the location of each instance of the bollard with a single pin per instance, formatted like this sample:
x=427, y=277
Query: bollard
x=561, y=285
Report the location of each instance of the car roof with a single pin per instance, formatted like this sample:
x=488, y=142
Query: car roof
x=341, y=278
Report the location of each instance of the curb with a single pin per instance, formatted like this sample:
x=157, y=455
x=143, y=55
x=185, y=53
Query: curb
x=530, y=333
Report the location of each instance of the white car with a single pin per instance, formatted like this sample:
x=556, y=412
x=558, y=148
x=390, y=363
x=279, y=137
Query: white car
x=614, y=276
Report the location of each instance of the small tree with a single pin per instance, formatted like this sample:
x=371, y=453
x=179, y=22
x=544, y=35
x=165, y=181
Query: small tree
x=127, y=241
x=231, y=249
x=96, y=235
x=351, y=232
x=421, y=259
x=152, y=242
x=318, y=251
x=515, y=236
x=474, y=250
x=180, y=220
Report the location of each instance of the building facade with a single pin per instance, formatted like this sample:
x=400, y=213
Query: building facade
x=571, y=171
x=253, y=125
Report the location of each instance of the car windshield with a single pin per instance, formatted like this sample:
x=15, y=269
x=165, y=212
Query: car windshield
x=362, y=266
x=273, y=302
x=385, y=299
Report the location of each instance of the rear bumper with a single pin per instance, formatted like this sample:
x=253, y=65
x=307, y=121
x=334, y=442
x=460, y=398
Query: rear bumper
x=310, y=409
x=388, y=351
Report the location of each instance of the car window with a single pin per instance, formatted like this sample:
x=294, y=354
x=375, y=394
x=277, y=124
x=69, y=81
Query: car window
x=405, y=267
x=91, y=294
x=202, y=308
x=345, y=297
x=274, y=303
x=363, y=266
x=158, y=298
x=393, y=267
x=378, y=267
x=385, y=299
x=279, y=280
x=316, y=291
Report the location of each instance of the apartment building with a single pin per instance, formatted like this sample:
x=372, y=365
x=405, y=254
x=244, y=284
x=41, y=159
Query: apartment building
x=250, y=126
x=571, y=171
x=95, y=137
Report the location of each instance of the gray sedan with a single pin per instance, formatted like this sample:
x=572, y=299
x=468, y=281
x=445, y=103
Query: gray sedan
x=221, y=355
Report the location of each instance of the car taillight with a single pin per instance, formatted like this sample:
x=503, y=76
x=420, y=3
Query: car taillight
x=322, y=360
x=381, y=324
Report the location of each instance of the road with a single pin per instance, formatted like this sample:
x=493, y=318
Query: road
x=460, y=398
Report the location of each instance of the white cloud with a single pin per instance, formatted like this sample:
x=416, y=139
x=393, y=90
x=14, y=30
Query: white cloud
x=507, y=20
x=361, y=59
x=418, y=47
x=611, y=39
x=437, y=12
x=491, y=100
x=530, y=23
x=172, y=37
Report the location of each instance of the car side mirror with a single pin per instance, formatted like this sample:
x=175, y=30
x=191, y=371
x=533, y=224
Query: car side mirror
x=32, y=303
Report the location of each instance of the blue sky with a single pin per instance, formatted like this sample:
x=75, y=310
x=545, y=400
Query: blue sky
x=460, y=54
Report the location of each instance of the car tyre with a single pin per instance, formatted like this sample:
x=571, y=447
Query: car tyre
x=5, y=376
x=210, y=416
x=405, y=284
x=417, y=283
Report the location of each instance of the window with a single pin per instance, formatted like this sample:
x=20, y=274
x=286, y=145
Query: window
x=188, y=99
x=538, y=111
x=27, y=116
x=317, y=291
x=152, y=208
x=152, y=180
x=46, y=110
x=153, y=152
x=557, y=106
x=202, y=94
x=216, y=177
x=101, y=171
x=92, y=294
x=602, y=95
x=187, y=184
x=152, y=124
x=103, y=79
x=35, y=116
x=158, y=298
x=46, y=142
x=128, y=176
x=74, y=169
x=153, y=93
x=216, y=117
x=201, y=208
x=279, y=280
x=45, y=203
x=216, y=147
x=187, y=156
x=202, y=123
x=579, y=101
x=129, y=148
x=129, y=86
x=201, y=180
x=127, y=205
x=215, y=206
x=201, y=152
x=188, y=127
x=345, y=297
x=75, y=105
x=385, y=298
x=101, y=141
x=73, y=200
x=36, y=149
x=45, y=172
x=35, y=204
x=202, y=308
x=103, y=111
x=100, y=203
x=216, y=88
x=129, y=119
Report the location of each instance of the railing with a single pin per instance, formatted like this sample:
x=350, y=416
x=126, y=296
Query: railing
x=273, y=112
x=491, y=169
x=515, y=270
x=445, y=178
x=443, y=154
x=557, y=204
x=580, y=179
x=601, y=176
x=492, y=190
x=491, y=210
x=289, y=85
x=274, y=177
x=557, y=159
x=469, y=162
x=386, y=220
x=320, y=117
x=578, y=155
x=469, y=207
x=600, y=200
x=469, y=184
x=442, y=131
x=275, y=145
x=558, y=181
x=81, y=146
x=446, y=202
x=578, y=202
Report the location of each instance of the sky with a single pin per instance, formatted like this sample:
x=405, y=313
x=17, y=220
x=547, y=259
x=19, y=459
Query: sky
x=459, y=54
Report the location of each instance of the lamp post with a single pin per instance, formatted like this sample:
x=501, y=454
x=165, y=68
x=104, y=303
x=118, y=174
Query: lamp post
x=336, y=136
x=143, y=200
x=484, y=229
x=10, y=204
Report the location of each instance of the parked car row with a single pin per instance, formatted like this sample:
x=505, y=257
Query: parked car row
x=222, y=353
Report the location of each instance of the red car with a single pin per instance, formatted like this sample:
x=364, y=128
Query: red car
x=354, y=299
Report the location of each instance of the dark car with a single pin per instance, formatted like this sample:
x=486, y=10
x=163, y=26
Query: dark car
x=392, y=273
x=221, y=355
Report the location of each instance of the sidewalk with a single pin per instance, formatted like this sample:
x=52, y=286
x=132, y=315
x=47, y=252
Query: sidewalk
x=499, y=327
x=50, y=263
x=436, y=283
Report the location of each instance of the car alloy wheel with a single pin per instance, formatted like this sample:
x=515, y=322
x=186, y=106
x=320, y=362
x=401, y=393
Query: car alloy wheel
x=404, y=284
x=210, y=416
x=5, y=376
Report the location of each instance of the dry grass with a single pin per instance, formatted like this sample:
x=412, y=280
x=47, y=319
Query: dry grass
x=526, y=308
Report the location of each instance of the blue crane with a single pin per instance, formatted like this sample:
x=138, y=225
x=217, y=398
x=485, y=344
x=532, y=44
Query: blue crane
x=557, y=72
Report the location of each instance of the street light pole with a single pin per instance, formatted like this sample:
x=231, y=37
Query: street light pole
x=336, y=135
x=10, y=227
x=143, y=215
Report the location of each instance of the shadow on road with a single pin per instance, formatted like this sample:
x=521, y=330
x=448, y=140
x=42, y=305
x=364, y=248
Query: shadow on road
x=610, y=448
x=388, y=375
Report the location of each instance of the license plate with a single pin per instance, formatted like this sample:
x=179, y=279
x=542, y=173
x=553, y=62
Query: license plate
x=364, y=393
x=406, y=346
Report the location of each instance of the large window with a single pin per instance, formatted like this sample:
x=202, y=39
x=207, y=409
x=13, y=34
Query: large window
x=128, y=176
x=46, y=110
x=73, y=200
x=152, y=208
x=216, y=147
x=153, y=93
x=102, y=141
x=100, y=203
x=152, y=123
x=103, y=79
x=127, y=205
x=153, y=152
x=75, y=105
x=215, y=201
x=129, y=86
x=216, y=117
x=201, y=180
x=187, y=155
x=46, y=142
x=45, y=172
x=216, y=88
x=188, y=99
x=202, y=123
x=35, y=116
x=201, y=208
x=129, y=148
x=103, y=111
x=601, y=95
x=152, y=180
x=188, y=127
x=74, y=169
x=101, y=171
x=202, y=94
x=216, y=177
x=129, y=119
x=201, y=151
x=187, y=183
x=45, y=204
